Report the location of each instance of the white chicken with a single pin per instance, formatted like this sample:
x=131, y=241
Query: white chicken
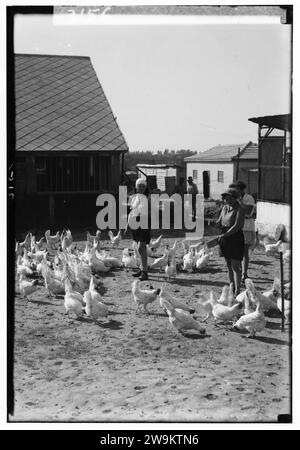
x=254, y=321
x=96, y=264
x=52, y=240
x=20, y=246
x=73, y=300
x=274, y=292
x=129, y=260
x=271, y=249
x=27, y=287
x=109, y=261
x=53, y=284
x=171, y=250
x=161, y=262
x=170, y=269
x=181, y=319
x=224, y=296
x=265, y=301
x=164, y=295
x=26, y=260
x=203, y=261
x=90, y=238
x=23, y=269
x=143, y=297
x=94, y=308
x=206, y=305
x=115, y=240
x=249, y=307
x=37, y=245
x=224, y=313
x=287, y=303
x=188, y=260
x=154, y=244
x=67, y=240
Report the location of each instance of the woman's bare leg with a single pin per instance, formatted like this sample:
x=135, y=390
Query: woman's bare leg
x=237, y=274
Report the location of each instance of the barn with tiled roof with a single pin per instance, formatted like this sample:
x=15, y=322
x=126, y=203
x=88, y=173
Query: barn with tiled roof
x=69, y=147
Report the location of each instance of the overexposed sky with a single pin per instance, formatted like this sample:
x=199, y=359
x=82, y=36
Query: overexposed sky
x=177, y=86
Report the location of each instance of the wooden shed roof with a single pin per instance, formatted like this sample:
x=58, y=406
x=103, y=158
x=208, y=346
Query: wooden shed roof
x=281, y=121
x=61, y=106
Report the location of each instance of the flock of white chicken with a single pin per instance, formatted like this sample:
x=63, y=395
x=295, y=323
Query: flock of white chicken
x=75, y=275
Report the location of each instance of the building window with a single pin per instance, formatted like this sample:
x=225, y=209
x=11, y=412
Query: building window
x=220, y=176
x=195, y=174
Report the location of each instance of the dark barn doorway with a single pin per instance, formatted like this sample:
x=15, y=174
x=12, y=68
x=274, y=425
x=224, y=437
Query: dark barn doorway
x=206, y=183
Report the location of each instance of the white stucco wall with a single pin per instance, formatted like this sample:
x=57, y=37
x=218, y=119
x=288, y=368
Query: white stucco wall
x=160, y=174
x=270, y=215
x=216, y=188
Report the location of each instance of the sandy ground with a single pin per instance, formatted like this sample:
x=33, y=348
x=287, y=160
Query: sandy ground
x=133, y=368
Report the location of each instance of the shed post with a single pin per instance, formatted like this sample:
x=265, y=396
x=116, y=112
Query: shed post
x=237, y=165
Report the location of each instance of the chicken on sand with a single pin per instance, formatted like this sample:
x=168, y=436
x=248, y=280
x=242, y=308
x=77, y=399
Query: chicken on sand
x=143, y=297
x=254, y=321
x=181, y=319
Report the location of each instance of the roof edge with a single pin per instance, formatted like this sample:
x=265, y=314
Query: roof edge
x=52, y=55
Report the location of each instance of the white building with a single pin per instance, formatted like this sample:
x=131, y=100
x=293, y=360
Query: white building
x=274, y=175
x=216, y=168
x=161, y=176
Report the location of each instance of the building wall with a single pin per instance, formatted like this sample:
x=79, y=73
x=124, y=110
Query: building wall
x=216, y=187
x=270, y=215
x=243, y=174
x=160, y=174
x=66, y=208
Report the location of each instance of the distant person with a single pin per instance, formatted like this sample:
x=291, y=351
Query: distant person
x=139, y=206
x=180, y=187
x=247, y=202
x=193, y=190
x=231, y=240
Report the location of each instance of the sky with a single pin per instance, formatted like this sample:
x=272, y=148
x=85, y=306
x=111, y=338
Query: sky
x=179, y=86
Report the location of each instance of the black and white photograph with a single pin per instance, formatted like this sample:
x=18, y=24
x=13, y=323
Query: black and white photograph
x=149, y=214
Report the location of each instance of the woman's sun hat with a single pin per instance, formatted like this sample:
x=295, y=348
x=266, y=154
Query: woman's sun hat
x=231, y=192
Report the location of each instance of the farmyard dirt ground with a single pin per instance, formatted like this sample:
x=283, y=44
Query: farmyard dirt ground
x=133, y=368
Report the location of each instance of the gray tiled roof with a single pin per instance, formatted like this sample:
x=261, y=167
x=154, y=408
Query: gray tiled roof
x=224, y=153
x=60, y=105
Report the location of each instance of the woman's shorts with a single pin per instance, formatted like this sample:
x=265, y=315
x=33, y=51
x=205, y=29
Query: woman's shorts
x=233, y=246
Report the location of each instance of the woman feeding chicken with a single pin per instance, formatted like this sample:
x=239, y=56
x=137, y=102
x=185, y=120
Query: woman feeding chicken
x=232, y=240
x=138, y=220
